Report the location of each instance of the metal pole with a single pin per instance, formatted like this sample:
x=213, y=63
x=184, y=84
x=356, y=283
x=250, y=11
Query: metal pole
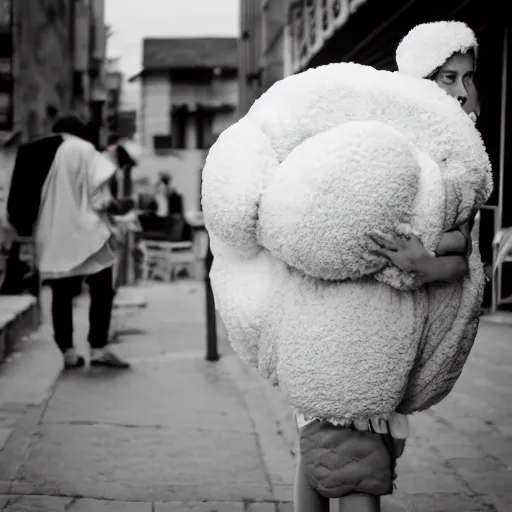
x=503, y=135
x=212, y=353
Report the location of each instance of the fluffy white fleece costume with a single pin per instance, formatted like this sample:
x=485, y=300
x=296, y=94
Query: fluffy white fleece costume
x=289, y=194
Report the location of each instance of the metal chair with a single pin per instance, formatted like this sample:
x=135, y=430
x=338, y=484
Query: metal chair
x=502, y=253
x=163, y=260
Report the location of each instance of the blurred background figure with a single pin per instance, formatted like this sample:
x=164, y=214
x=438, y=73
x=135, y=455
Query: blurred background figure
x=75, y=240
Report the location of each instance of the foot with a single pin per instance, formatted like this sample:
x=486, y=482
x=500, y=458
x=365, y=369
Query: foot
x=72, y=359
x=104, y=357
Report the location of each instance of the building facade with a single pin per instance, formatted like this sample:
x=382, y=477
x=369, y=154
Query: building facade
x=264, y=48
x=319, y=32
x=189, y=95
x=114, y=92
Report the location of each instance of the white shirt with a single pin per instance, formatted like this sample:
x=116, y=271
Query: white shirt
x=72, y=235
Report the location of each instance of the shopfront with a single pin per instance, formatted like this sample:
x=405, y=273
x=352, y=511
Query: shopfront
x=368, y=32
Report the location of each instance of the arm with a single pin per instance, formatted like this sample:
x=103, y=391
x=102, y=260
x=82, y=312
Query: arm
x=102, y=200
x=457, y=241
x=452, y=242
x=409, y=254
x=442, y=269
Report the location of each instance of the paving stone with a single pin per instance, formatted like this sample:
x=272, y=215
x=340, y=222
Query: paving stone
x=478, y=464
x=199, y=507
x=421, y=458
x=460, y=451
x=99, y=453
x=283, y=492
x=496, y=446
x=423, y=482
x=88, y=505
x=495, y=482
x=150, y=396
x=399, y=502
x=261, y=507
x=450, y=503
x=8, y=419
x=137, y=491
x=5, y=434
x=37, y=504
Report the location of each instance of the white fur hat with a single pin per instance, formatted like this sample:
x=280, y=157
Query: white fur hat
x=429, y=45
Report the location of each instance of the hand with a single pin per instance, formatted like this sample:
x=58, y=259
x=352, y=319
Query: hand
x=405, y=252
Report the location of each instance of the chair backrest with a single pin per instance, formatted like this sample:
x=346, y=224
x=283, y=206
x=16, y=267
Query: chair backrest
x=200, y=244
x=503, y=245
x=173, y=227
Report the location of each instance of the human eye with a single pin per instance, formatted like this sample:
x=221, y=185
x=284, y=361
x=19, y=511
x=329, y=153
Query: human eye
x=447, y=78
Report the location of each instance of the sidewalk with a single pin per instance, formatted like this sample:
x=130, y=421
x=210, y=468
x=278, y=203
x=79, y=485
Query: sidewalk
x=179, y=434
x=174, y=433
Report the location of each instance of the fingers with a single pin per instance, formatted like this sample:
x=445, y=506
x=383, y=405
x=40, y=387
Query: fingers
x=383, y=241
x=379, y=251
x=404, y=231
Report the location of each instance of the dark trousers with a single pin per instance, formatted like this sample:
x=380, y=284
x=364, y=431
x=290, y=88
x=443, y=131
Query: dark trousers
x=101, y=291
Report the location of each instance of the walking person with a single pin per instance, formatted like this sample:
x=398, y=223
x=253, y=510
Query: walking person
x=75, y=241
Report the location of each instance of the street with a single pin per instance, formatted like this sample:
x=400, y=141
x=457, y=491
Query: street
x=177, y=433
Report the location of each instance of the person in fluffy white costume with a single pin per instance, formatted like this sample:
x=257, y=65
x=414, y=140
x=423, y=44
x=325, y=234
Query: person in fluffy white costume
x=351, y=332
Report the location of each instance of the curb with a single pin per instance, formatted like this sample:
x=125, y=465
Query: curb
x=20, y=316
x=275, y=450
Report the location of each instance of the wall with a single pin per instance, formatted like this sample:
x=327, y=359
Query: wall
x=157, y=97
x=220, y=90
x=154, y=116
x=274, y=18
x=265, y=53
x=7, y=158
x=251, y=53
x=43, y=63
x=42, y=75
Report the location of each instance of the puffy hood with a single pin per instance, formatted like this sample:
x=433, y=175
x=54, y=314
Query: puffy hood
x=429, y=45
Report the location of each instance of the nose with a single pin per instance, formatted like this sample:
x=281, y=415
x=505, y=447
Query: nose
x=461, y=92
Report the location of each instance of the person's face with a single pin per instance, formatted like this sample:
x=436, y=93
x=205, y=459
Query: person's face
x=456, y=77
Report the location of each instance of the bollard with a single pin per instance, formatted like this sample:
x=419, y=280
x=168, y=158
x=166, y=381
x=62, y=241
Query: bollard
x=212, y=353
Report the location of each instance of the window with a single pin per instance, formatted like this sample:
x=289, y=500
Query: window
x=6, y=95
x=5, y=111
x=6, y=86
x=5, y=66
x=162, y=144
x=179, y=118
x=204, y=128
x=5, y=15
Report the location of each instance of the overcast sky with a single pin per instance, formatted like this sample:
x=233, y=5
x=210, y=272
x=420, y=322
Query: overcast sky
x=132, y=20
